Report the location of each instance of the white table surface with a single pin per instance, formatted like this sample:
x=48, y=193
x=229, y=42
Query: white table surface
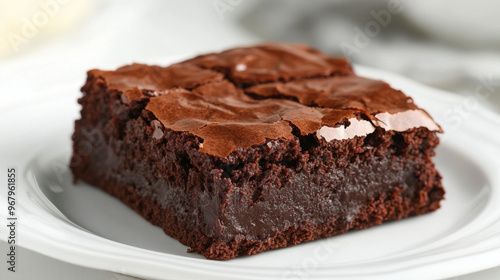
x=114, y=33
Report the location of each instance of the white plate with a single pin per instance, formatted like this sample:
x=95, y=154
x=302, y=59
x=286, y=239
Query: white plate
x=82, y=225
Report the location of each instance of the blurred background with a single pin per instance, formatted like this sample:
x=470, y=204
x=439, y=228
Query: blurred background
x=451, y=45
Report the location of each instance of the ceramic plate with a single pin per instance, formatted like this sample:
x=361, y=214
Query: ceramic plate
x=84, y=226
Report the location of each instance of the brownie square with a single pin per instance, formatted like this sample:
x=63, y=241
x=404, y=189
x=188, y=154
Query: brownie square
x=256, y=148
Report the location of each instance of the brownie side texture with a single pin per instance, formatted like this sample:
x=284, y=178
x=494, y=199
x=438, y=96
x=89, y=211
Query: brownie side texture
x=274, y=194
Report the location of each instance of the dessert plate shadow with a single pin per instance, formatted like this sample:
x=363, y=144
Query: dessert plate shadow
x=82, y=225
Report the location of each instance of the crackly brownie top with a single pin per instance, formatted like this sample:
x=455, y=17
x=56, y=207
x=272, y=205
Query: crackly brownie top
x=273, y=62
x=244, y=96
x=340, y=92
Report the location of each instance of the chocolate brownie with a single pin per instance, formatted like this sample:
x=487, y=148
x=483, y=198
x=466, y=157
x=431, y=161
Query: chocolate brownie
x=256, y=148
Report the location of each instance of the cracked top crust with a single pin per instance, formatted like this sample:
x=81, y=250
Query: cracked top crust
x=272, y=62
x=245, y=96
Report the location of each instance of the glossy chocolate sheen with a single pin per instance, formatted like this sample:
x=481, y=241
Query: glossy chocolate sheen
x=273, y=62
x=203, y=96
x=344, y=92
x=156, y=78
x=226, y=119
